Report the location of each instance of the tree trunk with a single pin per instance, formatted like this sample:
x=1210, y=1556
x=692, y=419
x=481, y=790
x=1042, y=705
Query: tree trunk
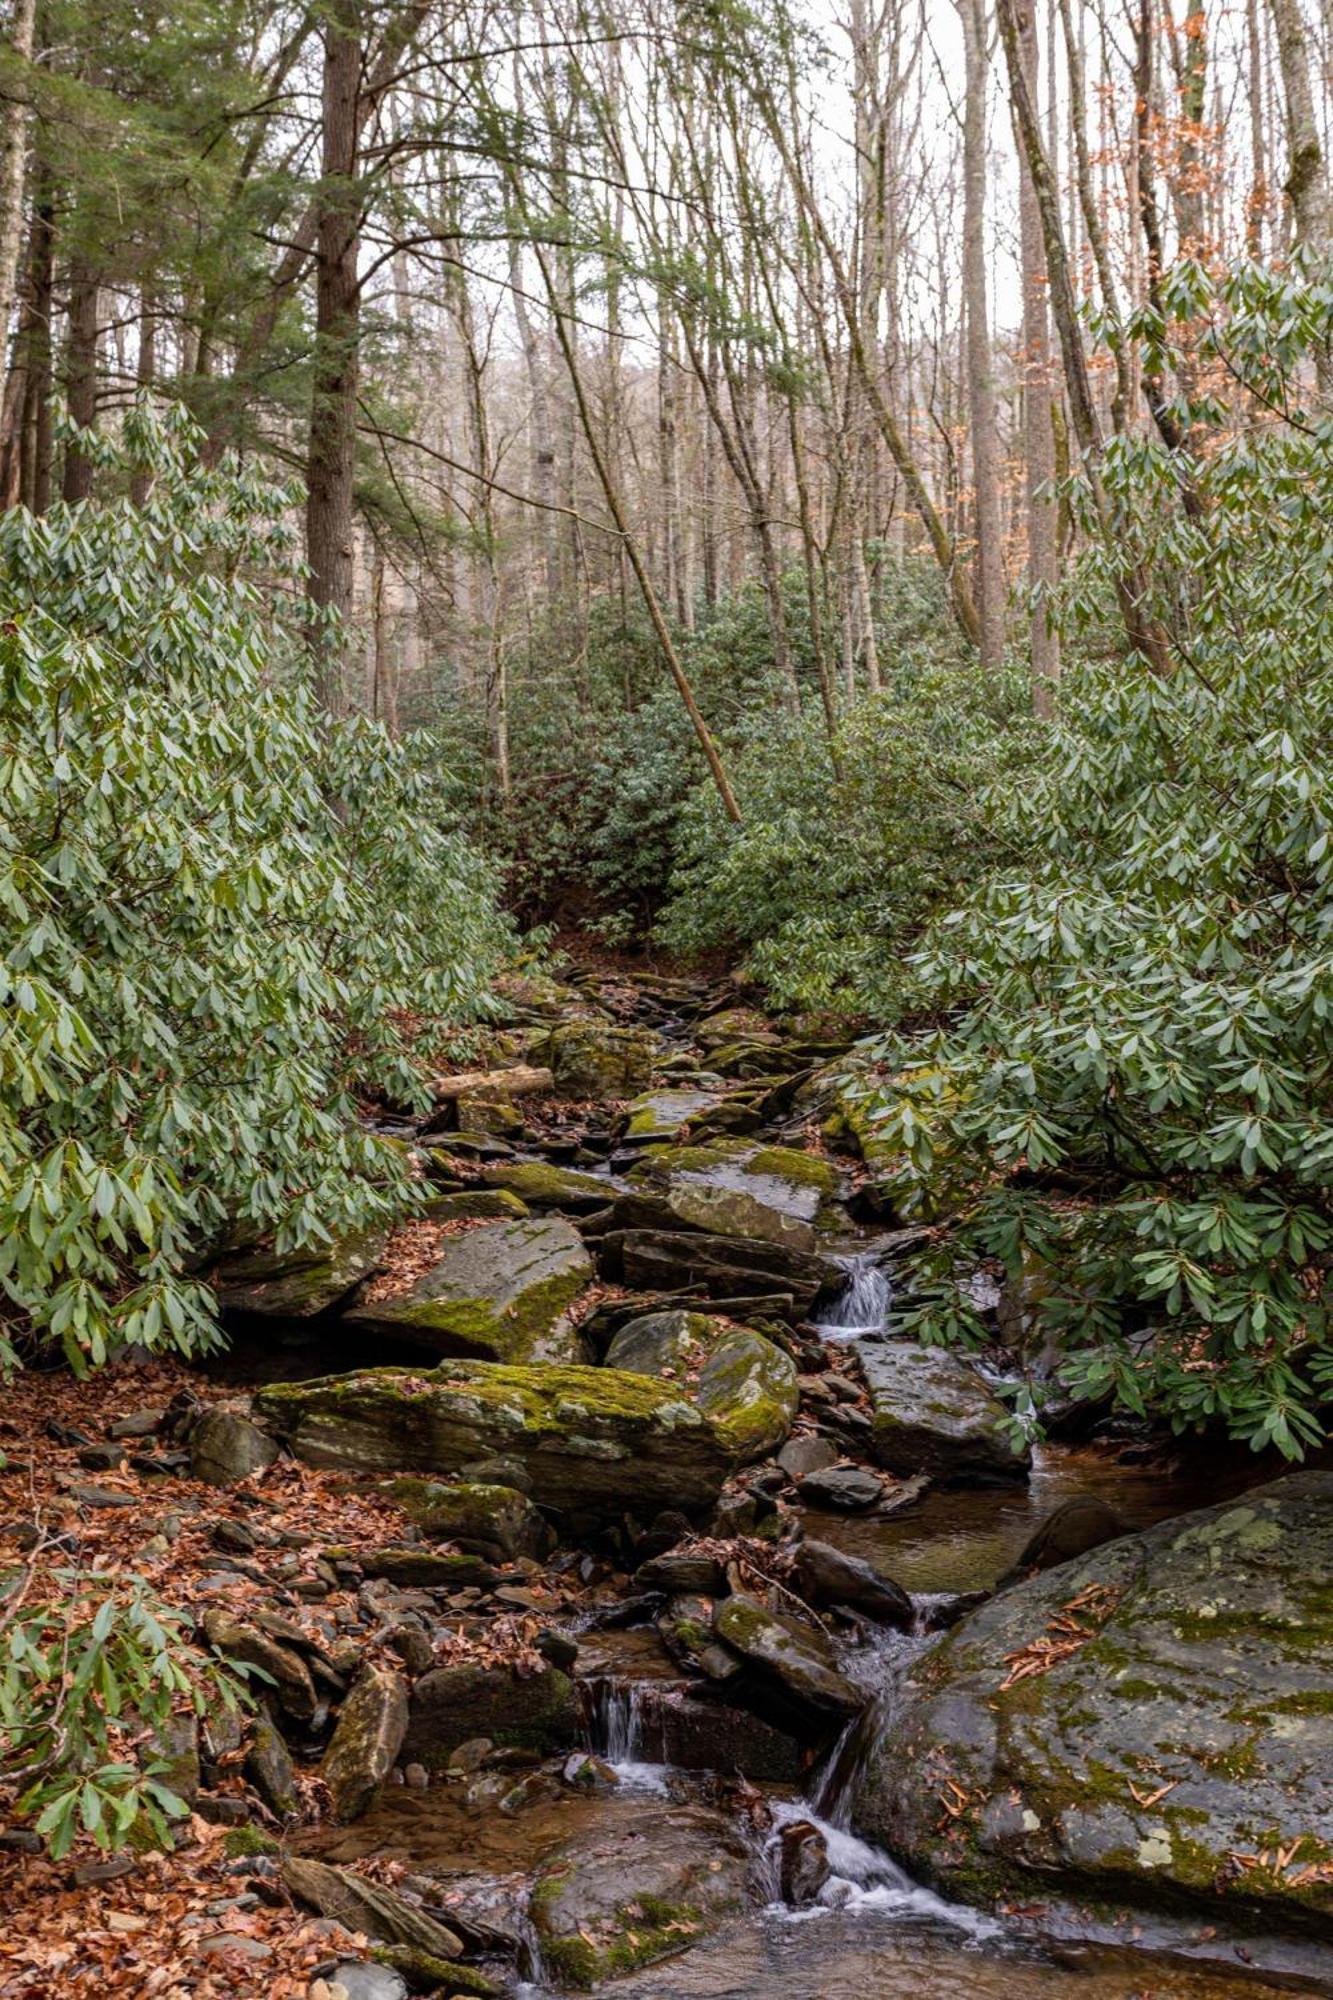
x=81, y=375
x=1306, y=185
x=1038, y=422
x=13, y=154
x=145, y=375
x=330, y=461
x=981, y=384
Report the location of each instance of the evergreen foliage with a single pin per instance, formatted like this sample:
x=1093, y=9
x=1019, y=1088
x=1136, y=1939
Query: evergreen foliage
x=224, y=916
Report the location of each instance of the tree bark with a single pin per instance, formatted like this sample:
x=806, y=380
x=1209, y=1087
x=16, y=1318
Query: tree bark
x=331, y=455
x=1038, y=422
x=13, y=156
x=980, y=379
x=81, y=375
x=1306, y=185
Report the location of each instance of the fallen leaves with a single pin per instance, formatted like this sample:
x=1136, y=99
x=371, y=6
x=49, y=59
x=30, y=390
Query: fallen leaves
x=1067, y=1632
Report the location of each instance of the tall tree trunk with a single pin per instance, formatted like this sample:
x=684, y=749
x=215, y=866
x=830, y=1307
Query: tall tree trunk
x=38, y=445
x=1306, y=185
x=1038, y=422
x=330, y=460
x=145, y=376
x=13, y=155
x=980, y=380
x=81, y=375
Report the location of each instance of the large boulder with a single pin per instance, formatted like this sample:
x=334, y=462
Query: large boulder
x=591, y=1441
x=663, y=1114
x=771, y=1194
x=295, y=1284
x=1154, y=1720
x=740, y=1380
x=936, y=1414
x=592, y=1059
x=486, y=1520
x=366, y=1742
x=499, y=1293
x=541, y=1185
x=226, y=1448
x=794, y=1657
x=623, y=1895
x=458, y=1703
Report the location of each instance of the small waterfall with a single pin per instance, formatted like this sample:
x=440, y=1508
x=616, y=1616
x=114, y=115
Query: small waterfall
x=614, y=1717
x=863, y=1304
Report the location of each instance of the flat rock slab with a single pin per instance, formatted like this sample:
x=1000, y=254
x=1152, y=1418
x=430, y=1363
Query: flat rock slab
x=464, y=1702
x=934, y=1413
x=723, y=1267
x=590, y=1441
x=499, y=1293
x=662, y=1114
x=730, y=1187
x=1153, y=1721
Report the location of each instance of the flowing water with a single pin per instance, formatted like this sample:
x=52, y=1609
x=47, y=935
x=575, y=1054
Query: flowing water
x=863, y=1305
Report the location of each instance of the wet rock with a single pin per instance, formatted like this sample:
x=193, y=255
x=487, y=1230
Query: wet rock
x=499, y=1292
x=362, y=1905
x=611, y=1900
x=849, y=1487
x=794, y=1655
x=584, y=1772
x=366, y=1741
x=740, y=1380
x=772, y=1194
x=494, y=1521
x=559, y=1649
x=682, y=1571
x=824, y=1575
x=801, y=1456
x=540, y=1185
x=803, y=1863
x=269, y=1768
x=427, y=1569
x=723, y=1267
x=1182, y=1727
x=470, y=1756
x=226, y=1448
x=686, y=1630
x=592, y=1060
x=290, y=1676
x=663, y=1114
x=594, y=1441
x=486, y=1204
x=296, y=1284
x=933, y=1413
x=537, y=1711
x=1074, y=1528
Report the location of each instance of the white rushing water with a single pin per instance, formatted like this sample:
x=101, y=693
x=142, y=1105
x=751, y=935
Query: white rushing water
x=614, y=1720
x=863, y=1305
x=863, y=1878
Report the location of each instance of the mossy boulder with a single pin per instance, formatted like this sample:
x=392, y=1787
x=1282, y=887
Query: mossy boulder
x=1153, y=1720
x=494, y=1521
x=661, y=1115
x=541, y=1185
x=589, y=1059
x=455, y=1704
x=371, y=1725
x=296, y=1284
x=591, y=1441
x=743, y=1383
x=498, y=1293
x=476, y=1204
x=936, y=1414
x=729, y=1187
x=644, y=1887
x=791, y=1654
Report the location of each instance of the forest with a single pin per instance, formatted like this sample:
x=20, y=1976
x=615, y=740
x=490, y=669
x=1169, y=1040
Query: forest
x=666, y=998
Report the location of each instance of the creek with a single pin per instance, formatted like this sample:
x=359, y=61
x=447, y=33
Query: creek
x=474, y=1842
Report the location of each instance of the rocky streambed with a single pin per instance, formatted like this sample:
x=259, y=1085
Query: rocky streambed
x=684, y=1664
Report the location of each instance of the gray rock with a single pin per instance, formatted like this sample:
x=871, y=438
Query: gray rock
x=933, y=1413
x=1183, y=1727
x=361, y=1980
x=594, y=1441
x=286, y=1670
x=269, y=1767
x=364, y=1906
x=494, y=1521
x=539, y=1711
x=1074, y=1528
x=740, y=1380
x=724, y=1267
x=846, y=1486
x=592, y=1060
x=296, y=1284
x=539, y=1184
x=591, y=1895
x=682, y=1571
x=662, y=1114
x=824, y=1575
x=801, y=1456
x=226, y=1448
x=499, y=1293
x=803, y=1862
x=791, y=1653
x=369, y=1735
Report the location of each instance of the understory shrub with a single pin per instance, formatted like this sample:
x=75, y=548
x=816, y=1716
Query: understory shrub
x=847, y=847
x=1131, y=1103
x=224, y=915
